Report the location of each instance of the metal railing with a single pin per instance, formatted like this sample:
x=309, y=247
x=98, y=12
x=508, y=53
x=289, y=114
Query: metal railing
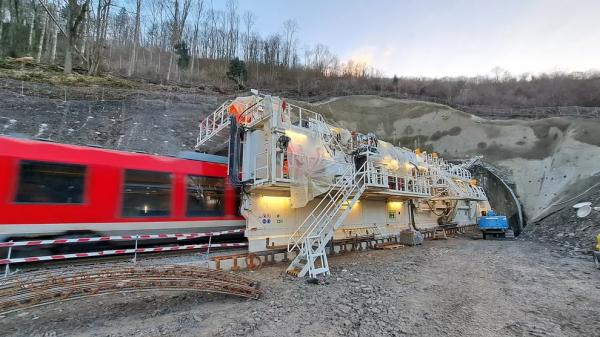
x=213, y=123
x=404, y=184
x=135, y=250
x=338, y=192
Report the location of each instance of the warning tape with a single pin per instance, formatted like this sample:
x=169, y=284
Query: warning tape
x=119, y=237
x=119, y=252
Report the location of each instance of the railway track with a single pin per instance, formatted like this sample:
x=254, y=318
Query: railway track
x=42, y=287
x=142, y=260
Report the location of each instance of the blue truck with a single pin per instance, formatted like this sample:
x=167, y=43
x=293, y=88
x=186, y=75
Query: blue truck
x=494, y=225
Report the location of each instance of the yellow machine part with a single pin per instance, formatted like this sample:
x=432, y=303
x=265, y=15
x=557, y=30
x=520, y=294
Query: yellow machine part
x=598, y=242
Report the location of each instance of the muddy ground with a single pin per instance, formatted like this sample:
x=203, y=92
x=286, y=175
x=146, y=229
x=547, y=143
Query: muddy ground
x=458, y=287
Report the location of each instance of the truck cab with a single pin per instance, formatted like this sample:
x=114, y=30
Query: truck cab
x=492, y=224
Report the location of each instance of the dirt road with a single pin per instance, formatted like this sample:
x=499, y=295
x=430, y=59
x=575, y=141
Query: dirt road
x=458, y=287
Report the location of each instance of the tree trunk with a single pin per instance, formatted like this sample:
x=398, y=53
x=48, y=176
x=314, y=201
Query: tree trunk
x=12, y=27
x=54, y=42
x=68, y=67
x=31, y=31
x=170, y=64
x=53, y=49
x=158, y=63
x=41, y=41
x=1, y=23
x=86, y=30
x=136, y=39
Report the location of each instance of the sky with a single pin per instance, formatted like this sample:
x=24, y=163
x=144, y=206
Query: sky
x=437, y=38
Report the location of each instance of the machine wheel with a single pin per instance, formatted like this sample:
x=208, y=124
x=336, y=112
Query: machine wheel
x=484, y=235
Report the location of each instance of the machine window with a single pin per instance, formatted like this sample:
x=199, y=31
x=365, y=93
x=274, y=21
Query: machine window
x=50, y=183
x=146, y=193
x=205, y=196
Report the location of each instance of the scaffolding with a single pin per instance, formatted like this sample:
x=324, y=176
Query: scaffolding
x=290, y=151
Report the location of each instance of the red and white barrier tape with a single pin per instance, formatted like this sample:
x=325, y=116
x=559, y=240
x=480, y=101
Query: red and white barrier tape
x=179, y=236
x=119, y=252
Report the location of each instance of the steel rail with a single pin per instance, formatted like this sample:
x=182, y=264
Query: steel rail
x=43, y=287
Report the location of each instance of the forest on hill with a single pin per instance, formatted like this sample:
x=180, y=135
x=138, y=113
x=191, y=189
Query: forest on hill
x=192, y=43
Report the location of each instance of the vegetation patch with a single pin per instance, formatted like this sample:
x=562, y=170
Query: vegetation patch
x=27, y=70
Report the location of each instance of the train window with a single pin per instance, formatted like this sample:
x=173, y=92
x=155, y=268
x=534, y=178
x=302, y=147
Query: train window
x=205, y=196
x=52, y=183
x=146, y=193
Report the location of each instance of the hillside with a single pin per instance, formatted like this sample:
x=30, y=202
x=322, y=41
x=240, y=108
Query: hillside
x=549, y=160
x=155, y=121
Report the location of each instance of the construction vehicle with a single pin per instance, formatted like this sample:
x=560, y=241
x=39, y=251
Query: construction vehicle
x=494, y=225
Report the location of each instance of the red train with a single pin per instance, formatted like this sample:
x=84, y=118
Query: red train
x=55, y=189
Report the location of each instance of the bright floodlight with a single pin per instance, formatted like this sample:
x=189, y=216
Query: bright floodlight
x=583, y=209
x=582, y=204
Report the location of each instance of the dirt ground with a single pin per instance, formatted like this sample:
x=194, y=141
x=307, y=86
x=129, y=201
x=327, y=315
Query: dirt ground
x=458, y=287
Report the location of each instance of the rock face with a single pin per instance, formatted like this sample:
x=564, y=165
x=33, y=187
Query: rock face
x=154, y=122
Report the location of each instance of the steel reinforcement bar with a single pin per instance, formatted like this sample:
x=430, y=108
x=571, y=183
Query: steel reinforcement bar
x=43, y=287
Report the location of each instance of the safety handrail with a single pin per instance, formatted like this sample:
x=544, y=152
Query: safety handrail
x=209, y=126
x=415, y=185
x=344, y=187
x=337, y=187
x=358, y=184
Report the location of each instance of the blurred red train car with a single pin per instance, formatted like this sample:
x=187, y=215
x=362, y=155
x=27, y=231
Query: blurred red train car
x=51, y=189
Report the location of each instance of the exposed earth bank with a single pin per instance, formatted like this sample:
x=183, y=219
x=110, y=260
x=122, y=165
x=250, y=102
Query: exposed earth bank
x=459, y=287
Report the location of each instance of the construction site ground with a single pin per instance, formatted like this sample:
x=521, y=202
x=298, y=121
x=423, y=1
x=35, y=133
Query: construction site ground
x=454, y=287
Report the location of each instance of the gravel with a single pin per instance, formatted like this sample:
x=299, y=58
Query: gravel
x=456, y=287
x=573, y=235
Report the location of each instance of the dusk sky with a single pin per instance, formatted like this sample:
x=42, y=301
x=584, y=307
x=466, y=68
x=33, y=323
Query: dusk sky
x=444, y=37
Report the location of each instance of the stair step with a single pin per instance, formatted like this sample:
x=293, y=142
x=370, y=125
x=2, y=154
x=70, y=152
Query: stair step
x=317, y=234
x=321, y=270
x=293, y=272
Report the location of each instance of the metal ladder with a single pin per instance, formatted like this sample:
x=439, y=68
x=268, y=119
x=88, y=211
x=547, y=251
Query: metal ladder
x=214, y=130
x=313, y=235
x=214, y=135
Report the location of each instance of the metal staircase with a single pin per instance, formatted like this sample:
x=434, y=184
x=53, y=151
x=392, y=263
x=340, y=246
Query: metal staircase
x=313, y=235
x=214, y=130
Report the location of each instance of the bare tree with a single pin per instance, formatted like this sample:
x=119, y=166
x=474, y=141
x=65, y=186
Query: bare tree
x=31, y=26
x=179, y=12
x=76, y=13
x=136, y=38
x=2, y=18
x=290, y=29
x=41, y=39
x=249, y=20
x=54, y=38
x=102, y=16
x=194, y=45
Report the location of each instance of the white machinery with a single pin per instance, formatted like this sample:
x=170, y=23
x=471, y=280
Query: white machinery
x=305, y=182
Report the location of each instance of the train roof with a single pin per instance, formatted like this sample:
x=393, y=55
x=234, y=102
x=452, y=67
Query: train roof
x=29, y=149
x=192, y=155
